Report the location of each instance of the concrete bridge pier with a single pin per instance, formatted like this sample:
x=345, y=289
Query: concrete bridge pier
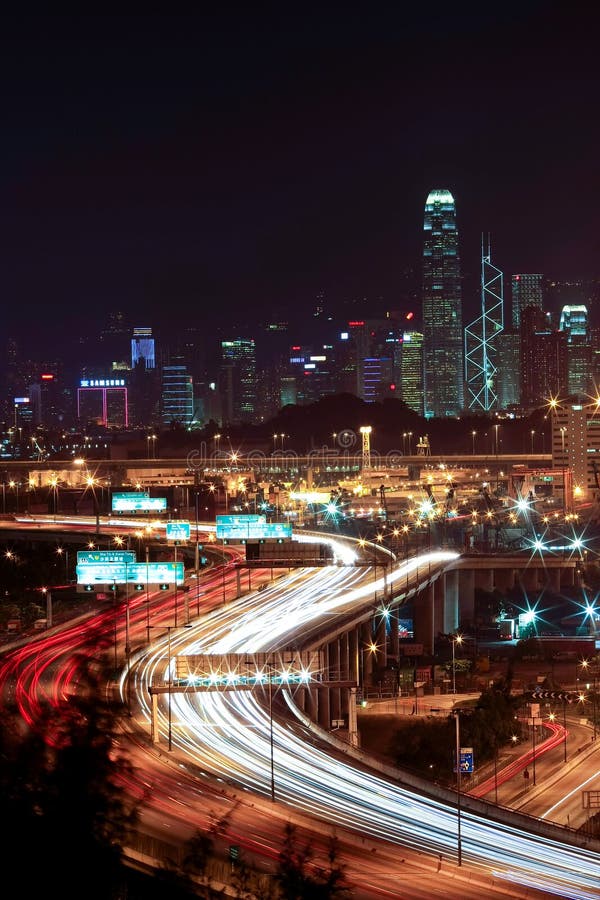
x=466, y=595
x=394, y=639
x=504, y=579
x=424, y=618
x=451, y=617
x=334, y=675
x=381, y=622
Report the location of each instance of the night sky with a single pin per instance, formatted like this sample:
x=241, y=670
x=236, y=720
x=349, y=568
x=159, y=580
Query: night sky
x=225, y=168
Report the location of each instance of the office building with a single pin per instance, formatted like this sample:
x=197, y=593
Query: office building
x=527, y=290
x=443, y=361
x=544, y=372
x=411, y=370
x=574, y=321
x=481, y=339
x=576, y=452
x=238, y=381
x=142, y=348
x=177, y=395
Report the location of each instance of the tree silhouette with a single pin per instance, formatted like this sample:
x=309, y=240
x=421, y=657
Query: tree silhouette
x=301, y=878
x=62, y=789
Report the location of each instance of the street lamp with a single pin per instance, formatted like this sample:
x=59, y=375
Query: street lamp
x=15, y=486
x=60, y=551
x=473, y=435
x=371, y=648
x=456, y=640
x=532, y=437
x=458, y=773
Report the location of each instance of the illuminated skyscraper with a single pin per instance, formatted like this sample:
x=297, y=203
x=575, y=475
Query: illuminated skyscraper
x=238, y=380
x=411, y=370
x=527, y=290
x=574, y=320
x=142, y=348
x=443, y=367
x=481, y=338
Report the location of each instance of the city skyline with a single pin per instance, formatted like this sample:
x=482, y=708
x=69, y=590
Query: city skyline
x=251, y=161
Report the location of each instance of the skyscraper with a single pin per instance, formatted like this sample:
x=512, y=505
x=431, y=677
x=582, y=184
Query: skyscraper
x=481, y=338
x=443, y=369
x=238, y=380
x=527, y=290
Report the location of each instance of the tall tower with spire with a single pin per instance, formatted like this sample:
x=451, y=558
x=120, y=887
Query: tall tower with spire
x=443, y=359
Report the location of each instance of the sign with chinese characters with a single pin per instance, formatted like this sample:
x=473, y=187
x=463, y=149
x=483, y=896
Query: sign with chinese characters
x=178, y=530
x=94, y=557
x=138, y=502
x=132, y=573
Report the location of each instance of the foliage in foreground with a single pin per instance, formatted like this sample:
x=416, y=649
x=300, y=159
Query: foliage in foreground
x=69, y=815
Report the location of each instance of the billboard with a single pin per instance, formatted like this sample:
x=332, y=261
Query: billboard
x=93, y=557
x=138, y=502
x=133, y=573
x=178, y=530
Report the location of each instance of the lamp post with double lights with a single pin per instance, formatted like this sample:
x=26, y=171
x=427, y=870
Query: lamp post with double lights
x=169, y=629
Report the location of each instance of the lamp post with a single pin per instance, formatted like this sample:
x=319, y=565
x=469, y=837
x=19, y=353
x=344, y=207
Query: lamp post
x=496, y=769
x=473, y=435
x=169, y=629
x=458, y=773
x=60, y=551
x=564, y=467
x=565, y=724
x=271, y=744
x=175, y=574
x=127, y=643
x=532, y=437
x=147, y=595
x=15, y=486
x=533, y=755
x=456, y=640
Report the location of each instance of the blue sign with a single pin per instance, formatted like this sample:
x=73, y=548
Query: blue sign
x=134, y=573
x=93, y=557
x=250, y=519
x=466, y=760
x=253, y=531
x=178, y=530
x=138, y=503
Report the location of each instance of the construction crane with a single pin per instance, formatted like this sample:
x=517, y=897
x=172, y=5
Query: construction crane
x=39, y=451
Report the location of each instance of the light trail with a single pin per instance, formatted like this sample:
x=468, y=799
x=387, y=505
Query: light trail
x=229, y=733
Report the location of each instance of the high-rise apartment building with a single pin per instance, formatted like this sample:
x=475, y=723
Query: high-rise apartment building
x=527, y=290
x=443, y=362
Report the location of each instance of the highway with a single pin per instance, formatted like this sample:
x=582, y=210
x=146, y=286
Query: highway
x=225, y=743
